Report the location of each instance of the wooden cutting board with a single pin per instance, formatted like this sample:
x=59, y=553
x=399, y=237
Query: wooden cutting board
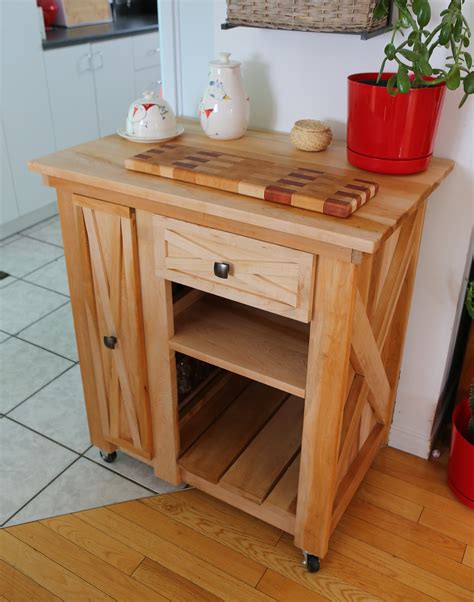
x=300, y=186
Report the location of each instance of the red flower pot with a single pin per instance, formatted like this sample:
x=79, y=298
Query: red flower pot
x=461, y=458
x=391, y=134
x=50, y=10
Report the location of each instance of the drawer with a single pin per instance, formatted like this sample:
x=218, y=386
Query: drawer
x=260, y=274
x=146, y=50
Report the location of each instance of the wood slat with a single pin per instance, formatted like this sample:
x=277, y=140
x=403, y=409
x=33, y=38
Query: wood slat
x=246, y=341
x=17, y=587
x=263, y=462
x=451, y=528
x=284, y=590
x=225, y=440
x=388, y=501
x=283, y=496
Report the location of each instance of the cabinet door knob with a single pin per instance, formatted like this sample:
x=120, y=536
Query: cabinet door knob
x=221, y=269
x=110, y=342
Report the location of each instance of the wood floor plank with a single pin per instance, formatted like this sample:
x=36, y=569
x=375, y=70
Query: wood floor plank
x=386, y=564
x=256, y=471
x=387, y=501
x=229, y=561
x=446, y=568
x=448, y=506
x=445, y=524
x=170, y=584
x=356, y=572
x=407, y=529
x=99, y=544
x=17, y=587
x=279, y=588
x=90, y=568
x=468, y=559
x=45, y=572
x=271, y=556
x=172, y=557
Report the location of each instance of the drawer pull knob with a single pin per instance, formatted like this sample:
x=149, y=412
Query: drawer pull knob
x=110, y=342
x=221, y=269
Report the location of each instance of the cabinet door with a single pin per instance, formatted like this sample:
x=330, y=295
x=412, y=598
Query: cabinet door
x=147, y=79
x=25, y=107
x=109, y=265
x=8, y=207
x=72, y=97
x=146, y=50
x=114, y=82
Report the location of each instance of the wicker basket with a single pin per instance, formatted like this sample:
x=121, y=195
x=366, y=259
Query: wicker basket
x=306, y=15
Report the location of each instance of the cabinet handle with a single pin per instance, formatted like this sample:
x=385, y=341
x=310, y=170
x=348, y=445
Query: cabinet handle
x=101, y=60
x=153, y=51
x=110, y=342
x=221, y=269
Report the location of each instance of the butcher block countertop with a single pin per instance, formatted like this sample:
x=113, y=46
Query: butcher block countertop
x=100, y=164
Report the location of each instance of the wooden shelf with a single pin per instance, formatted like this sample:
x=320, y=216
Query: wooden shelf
x=250, y=342
x=241, y=442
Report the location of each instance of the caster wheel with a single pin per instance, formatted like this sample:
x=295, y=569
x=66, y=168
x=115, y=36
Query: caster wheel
x=108, y=457
x=312, y=562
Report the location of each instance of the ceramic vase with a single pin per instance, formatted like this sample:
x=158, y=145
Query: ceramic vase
x=225, y=108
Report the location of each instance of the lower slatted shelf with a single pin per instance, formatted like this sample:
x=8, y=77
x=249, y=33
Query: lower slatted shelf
x=240, y=441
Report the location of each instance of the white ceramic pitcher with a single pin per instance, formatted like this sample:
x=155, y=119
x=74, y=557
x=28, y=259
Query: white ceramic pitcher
x=225, y=108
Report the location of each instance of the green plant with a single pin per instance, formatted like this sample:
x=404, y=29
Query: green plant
x=413, y=55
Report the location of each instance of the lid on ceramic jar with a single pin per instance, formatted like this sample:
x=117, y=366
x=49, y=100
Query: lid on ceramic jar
x=223, y=61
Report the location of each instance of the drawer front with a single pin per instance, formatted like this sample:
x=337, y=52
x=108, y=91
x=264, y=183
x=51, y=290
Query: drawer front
x=146, y=50
x=253, y=272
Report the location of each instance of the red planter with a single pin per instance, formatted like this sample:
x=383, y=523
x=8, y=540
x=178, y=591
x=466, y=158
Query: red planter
x=50, y=10
x=461, y=458
x=391, y=134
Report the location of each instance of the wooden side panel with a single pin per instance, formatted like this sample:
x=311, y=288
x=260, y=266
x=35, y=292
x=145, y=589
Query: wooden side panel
x=109, y=266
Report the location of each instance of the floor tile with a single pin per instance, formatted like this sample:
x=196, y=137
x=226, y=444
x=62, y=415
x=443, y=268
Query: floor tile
x=58, y=411
x=23, y=303
x=55, y=332
x=29, y=462
x=24, y=369
x=52, y=276
x=85, y=485
x=47, y=231
x=25, y=255
x=134, y=469
x=7, y=281
x=8, y=239
x=3, y=336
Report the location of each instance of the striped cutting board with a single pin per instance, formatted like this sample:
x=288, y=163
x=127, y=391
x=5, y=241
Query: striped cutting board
x=288, y=184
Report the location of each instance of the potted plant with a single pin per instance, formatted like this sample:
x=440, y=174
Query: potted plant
x=393, y=116
x=461, y=458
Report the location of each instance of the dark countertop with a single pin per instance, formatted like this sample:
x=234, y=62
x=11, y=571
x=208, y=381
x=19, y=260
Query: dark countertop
x=120, y=27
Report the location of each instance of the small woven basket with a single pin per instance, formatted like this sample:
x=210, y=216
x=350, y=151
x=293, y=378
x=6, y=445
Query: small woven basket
x=311, y=135
x=306, y=15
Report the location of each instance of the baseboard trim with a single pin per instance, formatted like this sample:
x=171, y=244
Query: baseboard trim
x=409, y=441
x=30, y=219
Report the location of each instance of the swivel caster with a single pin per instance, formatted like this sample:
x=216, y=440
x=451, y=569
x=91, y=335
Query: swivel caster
x=311, y=562
x=108, y=457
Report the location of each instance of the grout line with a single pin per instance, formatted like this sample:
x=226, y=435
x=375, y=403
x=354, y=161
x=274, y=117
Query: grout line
x=42, y=286
x=44, y=349
x=43, y=221
x=102, y=464
x=41, y=267
x=40, y=491
x=35, y=321
x=29, y=428
x=31, y=237
x=40, y=389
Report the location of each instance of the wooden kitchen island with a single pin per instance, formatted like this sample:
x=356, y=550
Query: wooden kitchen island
x=305, y=326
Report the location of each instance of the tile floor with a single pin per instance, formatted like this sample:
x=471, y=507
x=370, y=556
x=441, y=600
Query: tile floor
x=47, y=465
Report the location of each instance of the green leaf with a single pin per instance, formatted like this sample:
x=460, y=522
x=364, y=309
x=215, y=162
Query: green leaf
x=453, y=80
x=390, y=51
x=417, y=5
x=425, y=67
x=467, y=59
x=391, y=85
x=403, y=81
x=410, y=55
x=468, y=83
x=445, y=34
x=424, y=15
x=381, y=9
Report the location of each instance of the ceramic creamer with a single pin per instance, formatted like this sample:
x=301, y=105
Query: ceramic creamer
x=225, y=108
x=151, y=117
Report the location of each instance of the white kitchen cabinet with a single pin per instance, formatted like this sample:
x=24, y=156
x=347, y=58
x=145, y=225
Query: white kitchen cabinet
x=146, y=50
x=146, y=79
x=72, y=94
x=8, y=203
x=112, y=63
x=25, y=110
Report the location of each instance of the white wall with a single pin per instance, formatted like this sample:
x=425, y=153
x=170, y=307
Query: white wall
x=292, y=75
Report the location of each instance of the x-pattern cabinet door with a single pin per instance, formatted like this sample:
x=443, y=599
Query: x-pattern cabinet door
x=110, y=277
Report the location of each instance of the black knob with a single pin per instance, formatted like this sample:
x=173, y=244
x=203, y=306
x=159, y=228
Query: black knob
x=110, y=342
x=221, y=269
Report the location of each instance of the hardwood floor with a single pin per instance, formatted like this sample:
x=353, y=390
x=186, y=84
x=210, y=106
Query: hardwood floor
x=404, y=537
